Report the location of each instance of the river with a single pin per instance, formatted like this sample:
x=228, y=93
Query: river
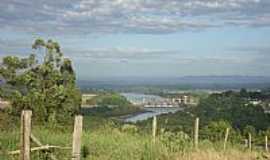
x=140, y=99
x=151, y=112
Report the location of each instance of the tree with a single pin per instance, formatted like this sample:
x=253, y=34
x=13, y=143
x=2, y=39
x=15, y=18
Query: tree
x=244, y=93
x=215, y=130
x=48, y=88
x=233, y=109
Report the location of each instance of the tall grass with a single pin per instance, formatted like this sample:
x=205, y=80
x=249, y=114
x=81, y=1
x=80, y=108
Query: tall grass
x=110, y=142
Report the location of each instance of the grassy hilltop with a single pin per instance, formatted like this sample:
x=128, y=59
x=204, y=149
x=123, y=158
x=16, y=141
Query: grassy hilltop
x=111, y=141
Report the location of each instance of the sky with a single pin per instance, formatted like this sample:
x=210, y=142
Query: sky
x=144, y=38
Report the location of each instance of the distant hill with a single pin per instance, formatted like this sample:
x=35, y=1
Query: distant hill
x=192, y=82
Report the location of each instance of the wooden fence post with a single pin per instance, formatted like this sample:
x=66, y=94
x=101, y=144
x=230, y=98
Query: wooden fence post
x=76, y=145
x=196, y=133
x=154, y=128
x=226, y=138
x=249, y=141
x=266, y=143
x=246, y=143
x=25, y=134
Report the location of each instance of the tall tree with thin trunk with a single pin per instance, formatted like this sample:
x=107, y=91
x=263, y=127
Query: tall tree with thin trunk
x=48, y=88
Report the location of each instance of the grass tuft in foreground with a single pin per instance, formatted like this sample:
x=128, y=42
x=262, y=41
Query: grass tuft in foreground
x=110, y=142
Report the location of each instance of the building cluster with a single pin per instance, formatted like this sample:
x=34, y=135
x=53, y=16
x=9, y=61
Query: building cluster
x=168, y=100
x=185, y=99
x=175, y=101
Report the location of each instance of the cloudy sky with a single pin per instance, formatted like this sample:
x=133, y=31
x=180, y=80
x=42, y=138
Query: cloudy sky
x=150, y=38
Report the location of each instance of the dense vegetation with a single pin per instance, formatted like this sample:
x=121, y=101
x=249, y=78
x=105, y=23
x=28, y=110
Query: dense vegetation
x=47, y=88
x=110, y=105
x=234, y=109
x=220, y=111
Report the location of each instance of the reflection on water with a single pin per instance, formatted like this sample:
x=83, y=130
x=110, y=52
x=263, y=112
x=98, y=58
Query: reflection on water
x=151, y=113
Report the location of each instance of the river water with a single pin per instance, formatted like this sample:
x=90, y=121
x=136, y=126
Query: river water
x=140, y=99
x=151, y=112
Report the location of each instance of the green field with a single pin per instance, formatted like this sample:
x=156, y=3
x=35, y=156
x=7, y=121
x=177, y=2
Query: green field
x=105, y=139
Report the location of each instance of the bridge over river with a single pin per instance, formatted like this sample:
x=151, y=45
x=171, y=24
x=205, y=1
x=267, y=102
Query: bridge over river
x=149, y=101
x=153, y=105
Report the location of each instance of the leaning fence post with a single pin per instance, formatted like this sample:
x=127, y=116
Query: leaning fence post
x=154, y=128
x=25, y=134
x=266, y=143
x=35, y=140
x=249, y=141
x=76, y=145
x=226, y=138
x=196, y=133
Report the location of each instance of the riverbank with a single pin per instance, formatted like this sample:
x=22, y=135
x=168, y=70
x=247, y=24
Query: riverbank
x=122, y=118
x=149, y=113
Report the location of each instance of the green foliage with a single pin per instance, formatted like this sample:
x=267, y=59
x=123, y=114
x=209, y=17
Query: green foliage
x=85, y=151
x=110, y=104
x=109, y=99
x=109, y=142
x=176, y=141
x=47, y=88
x=233, y=109
x=181, y=121
x=215, y=131
x=128, y=128
x=218, y=112
x=113, y=99
x=249, y=130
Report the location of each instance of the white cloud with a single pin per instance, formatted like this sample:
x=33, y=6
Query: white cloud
x=140, y=16
x=121, y=53
x=151, y=56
